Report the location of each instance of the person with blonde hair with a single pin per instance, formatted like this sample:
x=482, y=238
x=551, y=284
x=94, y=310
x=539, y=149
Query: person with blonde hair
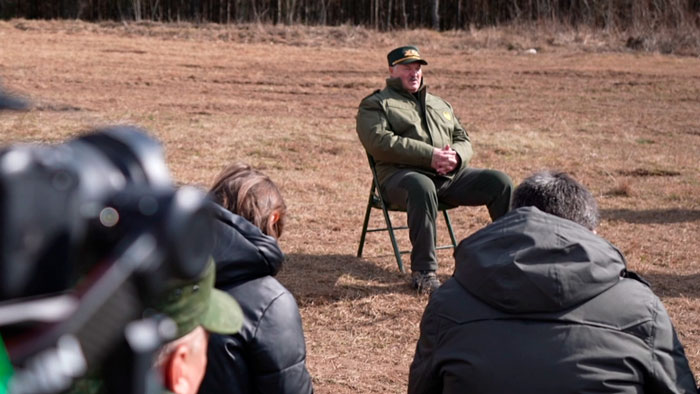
x=249, y=193
x=268, y=354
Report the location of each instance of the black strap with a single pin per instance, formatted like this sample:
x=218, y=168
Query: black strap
x=625, y=273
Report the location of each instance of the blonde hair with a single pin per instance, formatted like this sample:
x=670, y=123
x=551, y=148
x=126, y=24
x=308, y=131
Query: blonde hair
x=248, y=192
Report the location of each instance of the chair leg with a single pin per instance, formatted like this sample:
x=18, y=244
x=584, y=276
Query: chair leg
x=449, y=228
x=394, y=244
x=392, y=236
x=364, y=227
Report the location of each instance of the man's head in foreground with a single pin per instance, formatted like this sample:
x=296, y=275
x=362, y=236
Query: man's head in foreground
x=198, y=309
x=558, y=194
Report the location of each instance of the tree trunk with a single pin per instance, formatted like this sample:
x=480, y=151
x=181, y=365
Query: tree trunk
x=404, y=16
x=376, y=14
x=388, y=16
x=136, y=4
x=435, y=14
x=278, y=18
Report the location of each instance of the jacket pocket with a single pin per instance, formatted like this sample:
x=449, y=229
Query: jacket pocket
x=403, y=118
x=441, y=117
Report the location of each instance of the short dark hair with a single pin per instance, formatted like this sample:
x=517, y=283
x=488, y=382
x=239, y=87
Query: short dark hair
x=558, y=194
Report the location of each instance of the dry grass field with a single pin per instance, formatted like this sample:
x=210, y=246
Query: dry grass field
x=626, y=124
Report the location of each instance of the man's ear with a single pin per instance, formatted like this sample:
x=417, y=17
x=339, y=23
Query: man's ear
x=274, y=217
x=176, y=377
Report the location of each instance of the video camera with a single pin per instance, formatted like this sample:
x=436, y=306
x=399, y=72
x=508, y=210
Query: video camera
x=91, y=232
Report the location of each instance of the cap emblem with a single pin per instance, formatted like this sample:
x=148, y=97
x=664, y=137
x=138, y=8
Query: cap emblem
x=411, y=53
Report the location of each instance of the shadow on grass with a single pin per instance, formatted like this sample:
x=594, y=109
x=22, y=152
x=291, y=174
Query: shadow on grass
x=316, y=279
x=660, y=216
x=673, y=285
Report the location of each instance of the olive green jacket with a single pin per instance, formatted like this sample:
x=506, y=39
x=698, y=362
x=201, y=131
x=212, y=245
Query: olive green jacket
x=400, y=130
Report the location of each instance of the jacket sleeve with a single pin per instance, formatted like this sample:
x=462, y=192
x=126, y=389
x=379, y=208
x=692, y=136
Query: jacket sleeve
x=671, y=372
x=278, y=352
x=383, y=143
x=423, y=376
x=461, y=142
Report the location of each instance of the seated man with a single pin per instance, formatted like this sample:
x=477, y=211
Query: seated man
x=422, y=154
x=540, y=304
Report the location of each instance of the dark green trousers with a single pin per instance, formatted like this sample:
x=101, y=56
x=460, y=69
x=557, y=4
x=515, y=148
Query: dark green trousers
x=419, y=194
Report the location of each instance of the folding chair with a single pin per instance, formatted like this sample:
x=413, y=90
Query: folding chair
x=376, y=201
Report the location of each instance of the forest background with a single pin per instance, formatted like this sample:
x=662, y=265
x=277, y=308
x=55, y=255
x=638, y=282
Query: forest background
x=667, y=26
x=378, y=14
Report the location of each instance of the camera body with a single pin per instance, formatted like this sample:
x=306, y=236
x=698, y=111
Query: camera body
x=91, y=232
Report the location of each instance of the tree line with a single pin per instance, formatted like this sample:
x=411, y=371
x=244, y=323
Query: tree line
x=377, y=14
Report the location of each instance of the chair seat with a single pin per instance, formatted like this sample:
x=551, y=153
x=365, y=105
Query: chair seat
x=375, y=202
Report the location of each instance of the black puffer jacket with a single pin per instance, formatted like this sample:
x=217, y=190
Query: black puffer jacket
x=268, y=355
x=539, y=304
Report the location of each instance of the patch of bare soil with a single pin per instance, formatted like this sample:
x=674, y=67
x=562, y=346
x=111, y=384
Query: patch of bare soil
x=284, y=99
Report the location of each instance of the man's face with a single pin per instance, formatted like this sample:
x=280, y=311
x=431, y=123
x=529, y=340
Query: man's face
x=410, y=74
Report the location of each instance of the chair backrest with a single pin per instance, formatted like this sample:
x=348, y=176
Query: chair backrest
x=377, y=201
x=376, y=191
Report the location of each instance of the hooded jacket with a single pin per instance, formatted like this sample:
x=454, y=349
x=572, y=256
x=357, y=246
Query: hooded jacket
x=540, y=304
x=400, y=129
x=268, y=355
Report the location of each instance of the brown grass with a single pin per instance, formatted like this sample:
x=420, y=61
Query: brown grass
x=624, y=123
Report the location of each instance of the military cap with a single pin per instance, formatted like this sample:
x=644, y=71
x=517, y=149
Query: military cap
x=404, y=55
x=198, y=303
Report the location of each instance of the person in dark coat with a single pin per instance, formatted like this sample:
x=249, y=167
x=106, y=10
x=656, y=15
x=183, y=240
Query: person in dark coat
x=539, y=303
x=268, y=355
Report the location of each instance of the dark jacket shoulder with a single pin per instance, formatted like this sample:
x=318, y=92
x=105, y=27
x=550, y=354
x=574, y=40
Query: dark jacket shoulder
x=371, y=94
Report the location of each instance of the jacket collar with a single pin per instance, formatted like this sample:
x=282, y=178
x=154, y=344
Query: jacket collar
x=241, y=251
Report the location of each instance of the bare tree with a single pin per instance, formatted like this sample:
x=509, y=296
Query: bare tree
x=404, y=16
x=377, y=14
x=435, y=14
x=388, y=15
x=278, y=13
